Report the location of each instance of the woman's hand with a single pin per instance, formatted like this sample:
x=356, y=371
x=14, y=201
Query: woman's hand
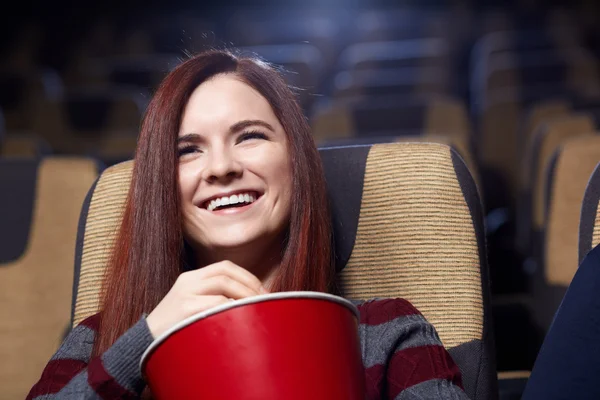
x=201, y=289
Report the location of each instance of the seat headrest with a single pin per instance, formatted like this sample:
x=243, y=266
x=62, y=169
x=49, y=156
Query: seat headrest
x=18, y=180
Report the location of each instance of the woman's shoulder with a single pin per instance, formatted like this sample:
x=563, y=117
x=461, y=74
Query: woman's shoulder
x=381, y=310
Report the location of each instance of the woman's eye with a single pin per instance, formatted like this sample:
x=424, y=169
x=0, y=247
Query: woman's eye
x=251, y=135
x=187, y=150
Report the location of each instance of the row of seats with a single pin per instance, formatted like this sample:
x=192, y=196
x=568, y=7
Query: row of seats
x=385, y=254
x=43, y=219
x=78, y=127
x=560, y=152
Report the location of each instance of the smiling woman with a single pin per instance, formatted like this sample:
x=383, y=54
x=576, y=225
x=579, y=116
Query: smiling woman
x=228, y=201
x=200, y=139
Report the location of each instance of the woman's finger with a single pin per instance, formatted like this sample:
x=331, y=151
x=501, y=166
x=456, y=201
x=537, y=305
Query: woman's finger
x=229, y=269
x=223, y=285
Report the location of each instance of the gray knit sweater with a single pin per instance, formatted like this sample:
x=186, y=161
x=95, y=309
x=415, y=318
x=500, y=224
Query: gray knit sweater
x=402, y=354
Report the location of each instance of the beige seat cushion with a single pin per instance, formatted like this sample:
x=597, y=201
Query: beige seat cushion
x=36, y=289
x=576, y=162
x=552, y=136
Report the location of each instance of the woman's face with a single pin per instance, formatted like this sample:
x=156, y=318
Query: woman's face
x=235, y=175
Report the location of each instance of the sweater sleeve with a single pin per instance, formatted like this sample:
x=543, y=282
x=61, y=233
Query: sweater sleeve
x=403, y=356
x=73, y=374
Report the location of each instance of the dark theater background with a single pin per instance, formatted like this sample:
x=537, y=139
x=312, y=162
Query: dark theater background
x=513, y=87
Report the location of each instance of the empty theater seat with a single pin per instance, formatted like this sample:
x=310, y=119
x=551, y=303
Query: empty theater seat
x=426, y=52
x=91, y=122
x=567, y=178
x=401, y=24
x=143, y=73
x=390, y=116
x=392, y=81
x=533, y=119
x=19, y=89
x=23, y=144
x=499, y=126
x=426, y=245
x=546, y=141
x=573, y=67
x=39, y=209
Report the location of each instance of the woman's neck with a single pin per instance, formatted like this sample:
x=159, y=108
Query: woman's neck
x=263, y=263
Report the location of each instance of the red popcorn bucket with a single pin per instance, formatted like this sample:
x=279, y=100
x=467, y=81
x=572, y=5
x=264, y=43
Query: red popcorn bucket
x=290, y=345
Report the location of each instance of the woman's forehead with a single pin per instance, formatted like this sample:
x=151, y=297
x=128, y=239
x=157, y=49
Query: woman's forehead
x=225, y=100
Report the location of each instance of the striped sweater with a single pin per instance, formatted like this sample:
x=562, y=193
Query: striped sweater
x=402, y=355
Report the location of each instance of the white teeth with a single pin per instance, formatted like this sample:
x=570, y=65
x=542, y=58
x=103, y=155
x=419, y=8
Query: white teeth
x=233, y=199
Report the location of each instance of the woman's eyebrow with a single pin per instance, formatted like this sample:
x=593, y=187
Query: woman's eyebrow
x=238, y=126
x=189, y=137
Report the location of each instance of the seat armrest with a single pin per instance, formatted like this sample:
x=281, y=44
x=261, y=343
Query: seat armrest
x=511, y=384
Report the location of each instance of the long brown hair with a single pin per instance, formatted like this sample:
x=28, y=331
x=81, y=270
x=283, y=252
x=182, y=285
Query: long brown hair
x=149, y=251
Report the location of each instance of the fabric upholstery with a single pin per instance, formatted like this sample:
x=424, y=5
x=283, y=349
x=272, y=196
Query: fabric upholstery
x=407, y=222
x=378, y=117
x=546, y=142
x=500, y=128
x=543, y=142
x=395, y=254
x=36, y=287
x=441, y=120
x=577, y=160
x=536, y=116
x=24, y=145
x=103, y=218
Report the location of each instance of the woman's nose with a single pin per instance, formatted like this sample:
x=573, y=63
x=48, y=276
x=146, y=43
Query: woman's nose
x=222, y=165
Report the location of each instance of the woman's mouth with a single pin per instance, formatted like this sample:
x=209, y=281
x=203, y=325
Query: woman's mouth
x=234, y=201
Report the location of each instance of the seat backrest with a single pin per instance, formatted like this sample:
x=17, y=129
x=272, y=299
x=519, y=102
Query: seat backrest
x=411, y=196
x=415, y=116
x=17, y=89
x=545, y=143
x=500, y=126
x=39, y=211
x=424, y=52
x=572, y=66
x=535, y=116
x=78, y=122
x=407, y=223
x=23, y=144
x=574, y=163
x=392, y=81
x=141, y=72
x=455, y=141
